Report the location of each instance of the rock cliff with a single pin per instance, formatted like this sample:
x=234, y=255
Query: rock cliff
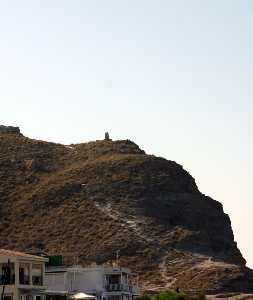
x=86, y=201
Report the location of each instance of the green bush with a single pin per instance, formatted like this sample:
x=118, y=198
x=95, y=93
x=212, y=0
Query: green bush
x=165, y=295
x=170, y=295
x=143, y=297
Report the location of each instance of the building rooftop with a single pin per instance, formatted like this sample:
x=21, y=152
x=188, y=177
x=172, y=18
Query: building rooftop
x=106, y=269
x=18, y=254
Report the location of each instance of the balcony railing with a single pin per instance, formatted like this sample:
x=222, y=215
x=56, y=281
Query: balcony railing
x=8, y=281
x=37, y=280
x=24, y=279
x=118, y=287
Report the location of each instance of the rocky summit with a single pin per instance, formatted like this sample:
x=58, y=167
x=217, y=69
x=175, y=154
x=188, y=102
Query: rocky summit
x=87, y=201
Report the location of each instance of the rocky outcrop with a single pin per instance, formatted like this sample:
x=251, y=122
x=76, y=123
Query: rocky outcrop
x=9, y=130
x=90, y=200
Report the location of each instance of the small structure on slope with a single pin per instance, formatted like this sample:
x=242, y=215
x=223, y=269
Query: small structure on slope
x=107, y=137
x=9, y=129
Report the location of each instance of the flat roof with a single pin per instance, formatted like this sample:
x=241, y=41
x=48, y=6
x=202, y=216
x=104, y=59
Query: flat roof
x=106, y=269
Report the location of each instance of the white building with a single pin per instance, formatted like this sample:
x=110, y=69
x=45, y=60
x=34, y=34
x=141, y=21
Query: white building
x=106, y=283
x=21, y=276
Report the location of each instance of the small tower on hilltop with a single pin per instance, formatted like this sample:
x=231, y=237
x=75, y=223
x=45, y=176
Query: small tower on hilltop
x=107, y=137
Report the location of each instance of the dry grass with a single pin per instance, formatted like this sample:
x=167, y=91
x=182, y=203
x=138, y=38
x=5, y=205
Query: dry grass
x=52, y=198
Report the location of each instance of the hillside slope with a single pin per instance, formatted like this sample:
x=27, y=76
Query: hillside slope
x=89, y=200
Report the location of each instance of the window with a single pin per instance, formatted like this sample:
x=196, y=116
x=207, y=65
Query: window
x=37, y=274
x=7, y=274
x=114, y=297
x=24, y=274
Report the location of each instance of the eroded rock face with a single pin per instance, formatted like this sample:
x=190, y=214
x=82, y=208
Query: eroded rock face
x=92, y=199
x=9, y=130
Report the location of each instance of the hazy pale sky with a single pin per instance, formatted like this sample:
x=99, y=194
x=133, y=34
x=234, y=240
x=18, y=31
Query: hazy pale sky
x=173, y=76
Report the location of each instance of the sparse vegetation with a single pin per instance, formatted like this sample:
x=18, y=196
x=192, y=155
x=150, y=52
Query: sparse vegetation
x=164, y=295
x=89, y=200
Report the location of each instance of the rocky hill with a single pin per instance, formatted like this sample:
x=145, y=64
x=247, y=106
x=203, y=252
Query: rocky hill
x=86, y=201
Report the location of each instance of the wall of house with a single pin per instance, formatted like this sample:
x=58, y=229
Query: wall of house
x=86, y=281
x=56, y=281
x=91, y=281
x=10, y=290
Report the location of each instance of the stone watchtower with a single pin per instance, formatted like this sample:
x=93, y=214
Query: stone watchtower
x=9, y=130
x=107, y=137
